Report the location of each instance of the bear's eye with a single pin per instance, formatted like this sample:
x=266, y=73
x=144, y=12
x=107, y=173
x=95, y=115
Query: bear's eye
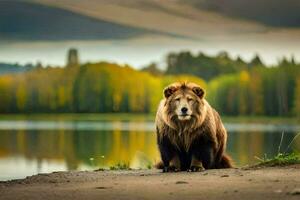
x=189, y=99
x=177, y=99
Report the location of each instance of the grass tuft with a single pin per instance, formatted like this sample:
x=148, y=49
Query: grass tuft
x=120, y=166
x=280, y=160
x=149, y=166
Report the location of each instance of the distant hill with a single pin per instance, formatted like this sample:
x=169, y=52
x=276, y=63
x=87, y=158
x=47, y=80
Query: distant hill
x=30, y=21
x=6, y=68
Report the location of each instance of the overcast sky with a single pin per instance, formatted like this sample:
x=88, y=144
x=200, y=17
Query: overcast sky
x=278, y=13
x=270, y=28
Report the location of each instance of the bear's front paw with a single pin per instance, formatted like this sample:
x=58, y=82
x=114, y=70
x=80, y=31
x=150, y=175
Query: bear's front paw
x=196, y=168
x=166, y=169
x=170, y=169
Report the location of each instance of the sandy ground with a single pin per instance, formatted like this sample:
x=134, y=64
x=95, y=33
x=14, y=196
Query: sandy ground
x=254, y=184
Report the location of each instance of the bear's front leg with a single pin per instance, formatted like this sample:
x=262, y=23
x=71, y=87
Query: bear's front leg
x=202, y=157
x=167, y=153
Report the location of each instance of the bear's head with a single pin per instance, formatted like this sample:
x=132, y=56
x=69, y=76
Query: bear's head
x=184, y=104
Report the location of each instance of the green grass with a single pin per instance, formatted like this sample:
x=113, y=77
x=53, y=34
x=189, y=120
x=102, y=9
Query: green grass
x=280, y=160
x=120, y=166
x=149, y=166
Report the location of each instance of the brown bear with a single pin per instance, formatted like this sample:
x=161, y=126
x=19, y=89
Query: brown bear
x=190, y=133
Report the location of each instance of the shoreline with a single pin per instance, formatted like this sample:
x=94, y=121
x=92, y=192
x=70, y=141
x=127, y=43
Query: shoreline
x=237, y=183
x=137, y=117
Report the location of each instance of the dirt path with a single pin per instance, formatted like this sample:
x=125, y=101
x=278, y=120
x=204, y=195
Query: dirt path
x=254, y=184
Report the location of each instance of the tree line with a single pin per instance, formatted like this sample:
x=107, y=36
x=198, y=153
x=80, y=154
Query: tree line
x=209, y=67
x=90, y=88
x=246, y=89
x=260, y=91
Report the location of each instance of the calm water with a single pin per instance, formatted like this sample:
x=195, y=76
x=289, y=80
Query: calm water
x=31, y=147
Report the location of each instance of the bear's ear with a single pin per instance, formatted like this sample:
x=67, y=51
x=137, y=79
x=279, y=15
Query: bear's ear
x=168, y=91
x=199, y=92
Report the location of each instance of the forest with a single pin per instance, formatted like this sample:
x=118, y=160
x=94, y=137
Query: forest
x=233, y=87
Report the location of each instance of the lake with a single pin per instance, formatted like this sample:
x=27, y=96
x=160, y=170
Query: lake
x=30, y=146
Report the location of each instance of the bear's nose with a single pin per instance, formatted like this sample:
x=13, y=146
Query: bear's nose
x=184, y=110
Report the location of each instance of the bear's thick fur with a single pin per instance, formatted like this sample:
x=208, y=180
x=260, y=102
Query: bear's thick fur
x=190, y=133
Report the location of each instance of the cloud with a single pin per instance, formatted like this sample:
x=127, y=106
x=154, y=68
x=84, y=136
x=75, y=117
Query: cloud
x=276, y=13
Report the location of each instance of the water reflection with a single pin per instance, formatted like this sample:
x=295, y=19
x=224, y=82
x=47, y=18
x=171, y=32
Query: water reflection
x=32, y=150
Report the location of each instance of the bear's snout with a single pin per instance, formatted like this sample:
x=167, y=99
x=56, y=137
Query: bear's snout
x=184, y=110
